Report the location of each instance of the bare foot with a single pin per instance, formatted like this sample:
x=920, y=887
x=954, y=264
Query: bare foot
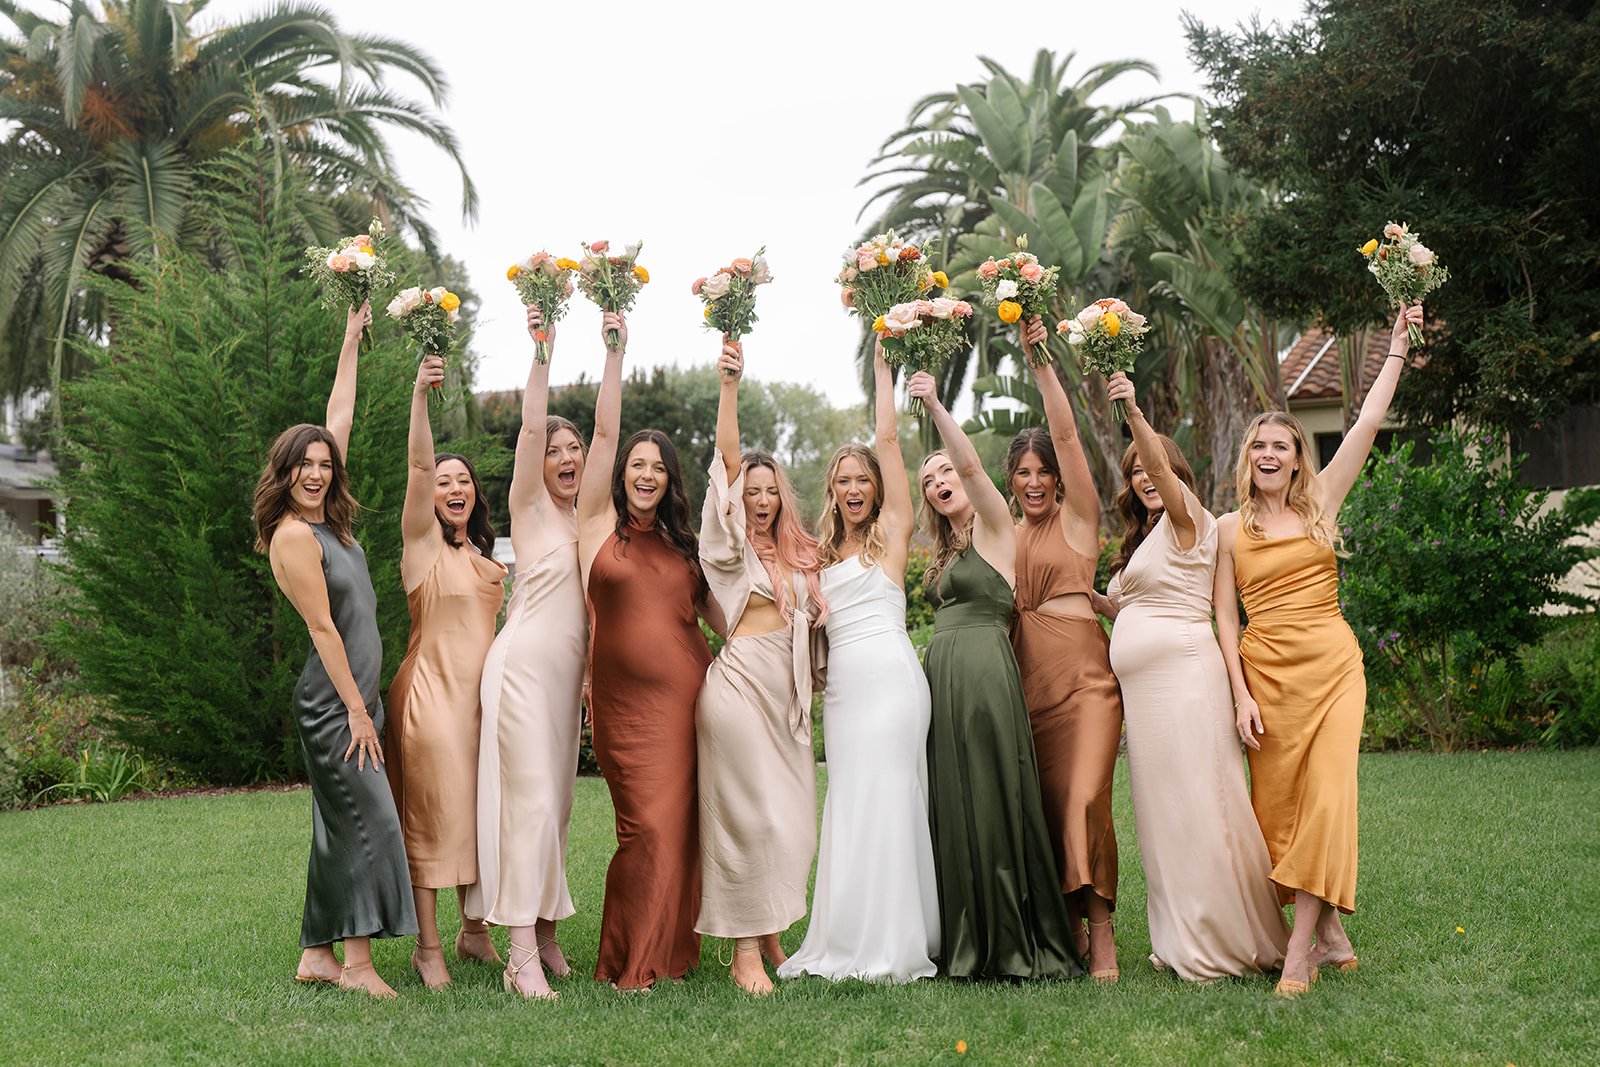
x=772, y=950
x=552, y=958
x=428, y=962
x=318, y=964
x=749, y=973
x=364, y=978
x=526, y=978
x=476, y=945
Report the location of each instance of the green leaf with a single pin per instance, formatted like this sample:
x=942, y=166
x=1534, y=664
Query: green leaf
x=999, y=139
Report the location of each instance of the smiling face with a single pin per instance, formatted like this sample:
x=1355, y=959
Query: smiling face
x=1144, y=490
x=940, y=486
x=453, y=492
x=1035, y=486
x=563, y=466
x=645, y=479
x=1273, y=458
x=761, y=500
x=312, y=479
x=853, y=492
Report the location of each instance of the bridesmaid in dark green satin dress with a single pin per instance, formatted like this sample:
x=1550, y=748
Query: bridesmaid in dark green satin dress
x=357, y=884
x=1001, y=909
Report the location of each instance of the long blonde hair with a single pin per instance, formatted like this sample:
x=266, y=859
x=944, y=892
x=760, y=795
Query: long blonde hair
x=948, y=542
x=1303, y=499
x=830, y=526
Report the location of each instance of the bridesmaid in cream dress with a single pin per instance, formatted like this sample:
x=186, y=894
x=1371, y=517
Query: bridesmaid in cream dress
x=532, y=688
x=758, y=777
x=1212, y=907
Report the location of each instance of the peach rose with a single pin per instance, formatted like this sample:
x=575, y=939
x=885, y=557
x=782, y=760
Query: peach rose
x=742, y=266
x=1031, y=272
x=847, y=297
x=697, y=285
x=988, y=269
x=962, y=310
x=340, y=262
x=599, y=247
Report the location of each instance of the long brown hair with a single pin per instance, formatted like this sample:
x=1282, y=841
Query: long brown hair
x=948, y=542
x=672, y=514
x=1318, y=524
x=1035, y=439
x=480, y=531
x=554, y=424
x=830, y=526
x=1135, y=516
x=272, y=501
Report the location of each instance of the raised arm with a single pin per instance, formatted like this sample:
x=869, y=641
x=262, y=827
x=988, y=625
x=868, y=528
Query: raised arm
x=1080, y=506
x=595, y=509
x=528, y=491
x=1345, y=466
x=341, y=413
x=993, y=517
x=417, y=522
x=731, y=368
x=896, y=514
x=1225, y=602
x=1153, y=458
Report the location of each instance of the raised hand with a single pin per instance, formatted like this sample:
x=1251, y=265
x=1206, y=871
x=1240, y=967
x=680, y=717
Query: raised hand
x=731, y=362
x=430, y=373
x=1034, y=334
x=536, y=326
x=1400, y=335
x=925, y=387
x=357, y=319
x=1120, y=387
x=363, y=741
x=611, y=323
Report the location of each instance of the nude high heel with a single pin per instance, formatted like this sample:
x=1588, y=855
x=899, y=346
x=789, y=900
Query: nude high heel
x=1106, y=975
x=509, y=979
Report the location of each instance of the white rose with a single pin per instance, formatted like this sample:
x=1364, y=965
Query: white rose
x=901, y=317
x=1089, y=316
x=455, y=316
x=1133, y=318
x=632, y=251
x=1420, y=254
x=943, y=307
x=1076, y=337
x=436, y=294
x=760, y=274
x=716, y=285
x=1006, y=289
x=404, y=302
x=365, y=260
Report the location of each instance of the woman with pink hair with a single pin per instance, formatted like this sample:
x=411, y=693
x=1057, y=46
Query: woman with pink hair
x=758, y=782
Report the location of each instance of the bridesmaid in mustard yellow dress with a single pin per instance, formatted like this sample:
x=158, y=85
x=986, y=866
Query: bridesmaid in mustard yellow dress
x=454, y=587
x=1296, y=673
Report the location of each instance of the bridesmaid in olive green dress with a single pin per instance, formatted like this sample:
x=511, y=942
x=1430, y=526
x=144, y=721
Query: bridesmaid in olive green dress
x=357, y=883
x=1001, y=909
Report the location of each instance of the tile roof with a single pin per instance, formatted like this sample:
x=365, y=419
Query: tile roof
x=1310, y=369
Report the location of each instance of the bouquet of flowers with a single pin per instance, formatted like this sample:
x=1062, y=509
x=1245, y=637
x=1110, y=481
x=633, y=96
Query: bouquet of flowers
x=348, y=273
x=1108, y=335
x=922, y=335
x=428, y=317
x=729, y=294
x=884, y=273
x=545, y=282
x=1017, y=287
x=1406, y=268
x=611, y=282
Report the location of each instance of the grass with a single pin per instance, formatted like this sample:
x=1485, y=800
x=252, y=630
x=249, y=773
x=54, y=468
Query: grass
x=163, y=931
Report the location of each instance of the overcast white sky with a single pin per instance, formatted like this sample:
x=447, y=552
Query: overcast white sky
x=708, y=130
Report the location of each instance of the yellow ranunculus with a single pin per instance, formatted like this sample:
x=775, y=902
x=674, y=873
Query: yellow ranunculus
x=883, y=259
x=941, y=279
x=1009, y=311
x=642, y=274
x=1112, y=324
x=566, y=264
x=367, y=249
x=877, y=324
x=512, y=272
x=449, y=301
x=708, y=311
x=1370, y=247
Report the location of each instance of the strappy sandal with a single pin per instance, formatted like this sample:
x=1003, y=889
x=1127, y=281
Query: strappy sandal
x=544, y=943
x=1106, y=975
x=435, y=947
x=1290, y=988
x=346, y=969
x=509, y=979
x=493, y=957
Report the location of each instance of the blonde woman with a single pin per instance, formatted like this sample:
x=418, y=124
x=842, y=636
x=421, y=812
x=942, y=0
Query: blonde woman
x=1296, y=673
x=875, y=907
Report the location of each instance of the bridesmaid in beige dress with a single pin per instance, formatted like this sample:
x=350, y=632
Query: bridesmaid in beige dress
x=532, y=688
x=454, y=587
x=1213, y=910
x=758, y=778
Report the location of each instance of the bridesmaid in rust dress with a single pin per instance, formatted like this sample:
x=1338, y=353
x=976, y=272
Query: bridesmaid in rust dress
x=454, y=587
x=1073, y=700
x=647, y=662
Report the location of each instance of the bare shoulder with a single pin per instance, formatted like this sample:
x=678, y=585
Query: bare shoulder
x=1227, y=529
x=295, y=538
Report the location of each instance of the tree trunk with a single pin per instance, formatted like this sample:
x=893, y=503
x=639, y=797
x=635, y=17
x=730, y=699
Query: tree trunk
x=1228, y=403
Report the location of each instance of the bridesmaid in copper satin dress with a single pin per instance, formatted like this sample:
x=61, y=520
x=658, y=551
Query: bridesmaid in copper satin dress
x=647, y=662
x=454, y=587
x=1297, y=674
x=1073, y=701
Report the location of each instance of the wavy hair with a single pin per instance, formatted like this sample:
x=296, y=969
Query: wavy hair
x=672, y=514
x=948, y=542
x=1318, y=524
x=1035, y=439
x=480, y=530
x=1135, y=516
x=272, y=502
x=790, y=546
x=830, y=526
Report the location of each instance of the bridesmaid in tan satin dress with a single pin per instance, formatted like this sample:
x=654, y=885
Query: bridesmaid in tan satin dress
x=647, y=663
x=454, y=588
x=1212, y=907
x=532, y=688
x=1074, y=704
x=1297, y=674
x=758, y=776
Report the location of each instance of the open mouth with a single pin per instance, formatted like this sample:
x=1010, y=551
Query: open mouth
x=1151, y=493
x=1268, y=467
x=854, y=507
x=763, y=517
x=1033, y=499
x=312, y=491
x=456, y=508
x=567, y=478
x=644, y=492
x=944, y=495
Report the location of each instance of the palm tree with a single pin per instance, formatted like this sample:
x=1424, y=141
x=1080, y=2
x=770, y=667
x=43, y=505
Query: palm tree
x=112, y=111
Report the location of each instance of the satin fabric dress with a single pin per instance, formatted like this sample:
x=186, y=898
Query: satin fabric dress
x=357, y=883
x=649, y=659
x=1212, y=908
x=528, y=746
x=875, y=904
x=1074, y=705
x=757, y=774
x=1000, y=904
x=431, y=752
x=1304, y=669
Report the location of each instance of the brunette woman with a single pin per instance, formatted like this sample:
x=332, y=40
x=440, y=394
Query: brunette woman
x=454, y=587
x=532, y=685
x=1297, y=674
x=758, y=778
x=642, y=570
x=356, y=880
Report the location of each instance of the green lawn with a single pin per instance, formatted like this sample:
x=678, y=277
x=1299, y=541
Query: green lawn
x=164, y=931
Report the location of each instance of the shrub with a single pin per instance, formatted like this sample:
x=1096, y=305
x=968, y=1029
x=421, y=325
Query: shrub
x=100, y=774
x=1450, y=565
x=1562, y=674
x=33, y=599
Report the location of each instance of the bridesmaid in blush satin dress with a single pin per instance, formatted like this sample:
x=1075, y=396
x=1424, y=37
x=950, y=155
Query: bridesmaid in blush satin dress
x=648, y=661
x=1213, y=912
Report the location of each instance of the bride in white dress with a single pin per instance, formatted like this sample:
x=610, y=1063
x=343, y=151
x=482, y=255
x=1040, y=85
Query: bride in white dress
x=875, y=906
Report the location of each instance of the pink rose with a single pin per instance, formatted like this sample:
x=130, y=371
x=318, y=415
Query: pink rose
x=962, y=310
x=900, y=318
x=988, y=269
x=1119, y=308
x=942, y=307
x=742, y=266
x=1031, y=272
x=1393, y=230
x=866, y=259
x=1420, y=254
x=340, y=263
x=536, y=259
x=599, y=247
x=361, y=239
x=847, y=297
x=848, y=274
x=922, y=308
